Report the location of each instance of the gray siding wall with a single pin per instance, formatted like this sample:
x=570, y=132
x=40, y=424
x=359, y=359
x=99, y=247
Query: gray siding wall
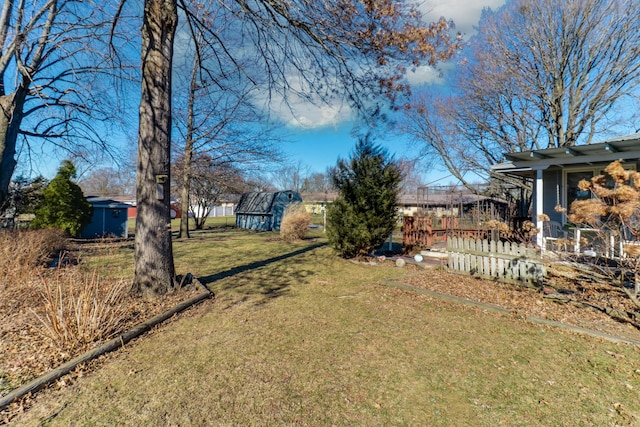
x=254, y=222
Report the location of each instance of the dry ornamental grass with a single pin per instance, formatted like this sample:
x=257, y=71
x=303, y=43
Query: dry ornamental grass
x=295, y=223
x=80, y=309
x=52, y=314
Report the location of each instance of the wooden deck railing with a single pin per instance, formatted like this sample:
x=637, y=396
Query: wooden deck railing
x=424, y=232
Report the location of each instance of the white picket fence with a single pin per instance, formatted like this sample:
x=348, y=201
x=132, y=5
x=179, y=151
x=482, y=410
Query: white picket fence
x=496, y=260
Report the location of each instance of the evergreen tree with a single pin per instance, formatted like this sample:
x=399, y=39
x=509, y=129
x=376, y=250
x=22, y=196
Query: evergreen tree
x=364, y=214
x=24, y=197
x=64, y=205
x=28, y=194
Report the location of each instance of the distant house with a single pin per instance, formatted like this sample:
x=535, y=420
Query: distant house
x=133, y=209
x=450, y=201
x=109, y=218
x=264, y=211
x=317, y=202
x=224, y=206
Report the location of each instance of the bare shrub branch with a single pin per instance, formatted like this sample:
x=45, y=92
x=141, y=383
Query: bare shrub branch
x=295, y=223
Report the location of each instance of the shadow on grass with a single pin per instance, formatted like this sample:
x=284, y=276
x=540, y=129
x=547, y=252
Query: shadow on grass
x=270, y=283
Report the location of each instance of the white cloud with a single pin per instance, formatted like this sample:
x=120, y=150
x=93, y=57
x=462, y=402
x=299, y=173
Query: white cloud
x=305, y=115
x=464, y=13
x=309, y=112
x=310, y=116
x=424, y=75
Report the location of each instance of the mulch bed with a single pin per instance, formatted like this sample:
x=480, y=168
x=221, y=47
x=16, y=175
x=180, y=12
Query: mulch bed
x=579, y=303
x=26, y=353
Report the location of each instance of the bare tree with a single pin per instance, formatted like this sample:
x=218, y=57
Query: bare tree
x=318, y=182
x=216, y=122
x=410, y=173
x=210, y=180
x=258, y=182
x=351, y=51
x=291, y=176
x=539, y=74
x=108, y=181
x=53, y=63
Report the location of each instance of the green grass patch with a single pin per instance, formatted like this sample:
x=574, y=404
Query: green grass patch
x=297, y=336
x=211, y=222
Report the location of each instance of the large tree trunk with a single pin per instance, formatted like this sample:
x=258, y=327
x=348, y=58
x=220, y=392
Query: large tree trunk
x=10, y=118
x=154, y=268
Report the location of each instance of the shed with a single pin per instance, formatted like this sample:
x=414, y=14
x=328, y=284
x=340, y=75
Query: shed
x=555, y=173
x=264, y=211
x=133, y=210
x=109, y=218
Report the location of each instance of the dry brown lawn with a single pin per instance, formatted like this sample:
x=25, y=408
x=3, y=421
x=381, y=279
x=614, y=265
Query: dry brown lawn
x=298, y=336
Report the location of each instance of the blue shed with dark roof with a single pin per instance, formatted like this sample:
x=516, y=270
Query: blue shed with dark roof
x=264, y=211
x=109, y=219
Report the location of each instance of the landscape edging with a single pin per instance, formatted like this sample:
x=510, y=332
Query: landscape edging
x=111, y=345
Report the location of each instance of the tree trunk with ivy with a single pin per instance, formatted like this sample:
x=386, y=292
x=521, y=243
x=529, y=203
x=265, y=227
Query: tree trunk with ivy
x=154, y=268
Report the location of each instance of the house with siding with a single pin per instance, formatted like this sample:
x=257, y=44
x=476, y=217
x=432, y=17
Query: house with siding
x=554, y=175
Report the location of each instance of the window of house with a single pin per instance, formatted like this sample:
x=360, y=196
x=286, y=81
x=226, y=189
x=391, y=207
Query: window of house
x=573, y=191
x=573, y=178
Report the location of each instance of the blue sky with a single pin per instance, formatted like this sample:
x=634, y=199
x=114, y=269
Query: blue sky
x=323, y=134
x=321, y=147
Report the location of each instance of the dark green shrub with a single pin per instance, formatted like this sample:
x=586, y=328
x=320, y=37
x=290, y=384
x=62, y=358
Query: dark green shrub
x=363, y=216
x=64, y=206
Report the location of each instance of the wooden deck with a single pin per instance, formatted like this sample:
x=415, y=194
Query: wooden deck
x=425, y=232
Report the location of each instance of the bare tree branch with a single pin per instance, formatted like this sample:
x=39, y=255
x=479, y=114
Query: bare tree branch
x=53, y=78
x=538, y=74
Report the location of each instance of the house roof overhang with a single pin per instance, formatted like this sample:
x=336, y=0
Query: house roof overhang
x=525, y=163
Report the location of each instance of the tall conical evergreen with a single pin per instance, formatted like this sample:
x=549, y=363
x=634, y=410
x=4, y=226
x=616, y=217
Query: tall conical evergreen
x=363, y=216
x=64, y=205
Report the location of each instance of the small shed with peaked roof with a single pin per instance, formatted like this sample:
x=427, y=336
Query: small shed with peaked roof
x=109, y=219
x=264, y=211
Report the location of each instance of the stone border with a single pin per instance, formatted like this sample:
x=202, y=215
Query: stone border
x=502, y=310
x=111, y=345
